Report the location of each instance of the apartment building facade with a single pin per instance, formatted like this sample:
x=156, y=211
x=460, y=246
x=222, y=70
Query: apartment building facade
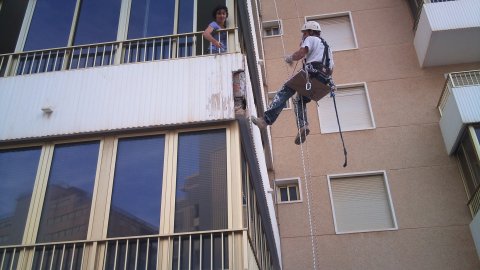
x=120, y=147
x=122, y=144
x=408, y=101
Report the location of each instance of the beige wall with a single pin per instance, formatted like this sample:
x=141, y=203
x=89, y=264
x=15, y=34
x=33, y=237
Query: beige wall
x=425, y=183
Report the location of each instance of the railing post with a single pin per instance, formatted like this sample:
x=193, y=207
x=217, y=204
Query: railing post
x=118, y=54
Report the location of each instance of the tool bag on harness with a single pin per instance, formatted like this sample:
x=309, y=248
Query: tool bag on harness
x=318, y=77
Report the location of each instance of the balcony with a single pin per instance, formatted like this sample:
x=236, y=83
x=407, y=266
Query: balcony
x=177, y=251
x=447, y=32
x=112, y=53
x=161, y=81
x=458, y=106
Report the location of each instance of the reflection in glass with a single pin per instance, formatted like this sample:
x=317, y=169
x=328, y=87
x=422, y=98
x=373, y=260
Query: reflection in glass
x=18, y=169
x=68, y=199
x=69, y=256
x=283, y=194
x=126, y=250
x=293, y=193
x=97, y=21
x=51, y=23
x=151, y=18
x=185, y=16
x=201, y=189
x=196, y=252
x=137, y=187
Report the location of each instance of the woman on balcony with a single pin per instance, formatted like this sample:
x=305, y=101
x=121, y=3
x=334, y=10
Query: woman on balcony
x=218, y=40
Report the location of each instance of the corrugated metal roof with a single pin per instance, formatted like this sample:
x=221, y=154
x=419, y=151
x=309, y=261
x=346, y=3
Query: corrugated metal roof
x=127, y=96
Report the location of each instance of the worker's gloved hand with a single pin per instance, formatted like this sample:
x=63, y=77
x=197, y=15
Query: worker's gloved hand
x=289, y=59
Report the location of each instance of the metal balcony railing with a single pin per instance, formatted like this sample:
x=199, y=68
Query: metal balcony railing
x=111, y=53
x=205, y=250
x=457, y=79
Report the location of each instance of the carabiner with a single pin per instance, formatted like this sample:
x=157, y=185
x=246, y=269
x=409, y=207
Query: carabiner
x=308, y=86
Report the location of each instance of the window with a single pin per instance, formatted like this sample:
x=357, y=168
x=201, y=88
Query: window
x=151, y=18
x=361, y=202
x=50, y=25
x=12, y=13
x=287, y=190
x=137, y=187
x=97, y=21
x=68, y=199
x=337, y=30
x=201, y=187
x=468, y=155
x=18, y=168
x=288, y=104
x=272, y=28
x=354, y=110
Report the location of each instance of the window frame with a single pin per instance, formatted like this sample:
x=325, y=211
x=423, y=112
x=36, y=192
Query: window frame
x=289, y=102
x=469, y=134
x=333, y=15
x=367, y=96
x=270, y=25
x=383, y=173
x=287, y=182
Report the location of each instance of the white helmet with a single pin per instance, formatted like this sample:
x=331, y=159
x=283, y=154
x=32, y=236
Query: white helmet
x=311, y=25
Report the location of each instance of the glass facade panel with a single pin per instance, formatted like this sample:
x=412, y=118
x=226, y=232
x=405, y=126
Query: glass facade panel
x=51, y=23
x=293, y=193
x=12, y=13
x=137, y=187
x=97, y=21
x=185, y=16
x=201, y=189
x=150, y=18
x=18, y=169
x=283, y=194
x=68, y=199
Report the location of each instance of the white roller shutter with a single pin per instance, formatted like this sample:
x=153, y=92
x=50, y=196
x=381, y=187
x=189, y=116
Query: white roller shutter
x=361, y=203
x=338, y=32
x=353, y=110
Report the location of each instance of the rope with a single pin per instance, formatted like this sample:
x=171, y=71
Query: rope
x=307, y=189
x=332, y=94
x=307, y=183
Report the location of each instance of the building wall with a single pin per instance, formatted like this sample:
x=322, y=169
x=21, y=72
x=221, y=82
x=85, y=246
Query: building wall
x=425, y=184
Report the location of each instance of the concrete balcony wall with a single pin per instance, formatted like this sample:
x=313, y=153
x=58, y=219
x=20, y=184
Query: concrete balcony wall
x=130, y=96
x=448, y=33
x=461, y=108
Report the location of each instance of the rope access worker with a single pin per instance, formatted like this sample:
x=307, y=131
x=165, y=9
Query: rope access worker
x=319, y=65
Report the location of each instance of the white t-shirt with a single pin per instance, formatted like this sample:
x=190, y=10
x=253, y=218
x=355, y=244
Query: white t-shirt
x=315, y=50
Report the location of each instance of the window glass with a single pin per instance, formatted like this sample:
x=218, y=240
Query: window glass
x=51, y=23
x=12, y=13
x=185, y=16
x=293, y=193
x=137, y=187
x=284, y=194
x=201, y=189
x=97, y=21
x=149, y=18
x=18, y=169
x=68, y=199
